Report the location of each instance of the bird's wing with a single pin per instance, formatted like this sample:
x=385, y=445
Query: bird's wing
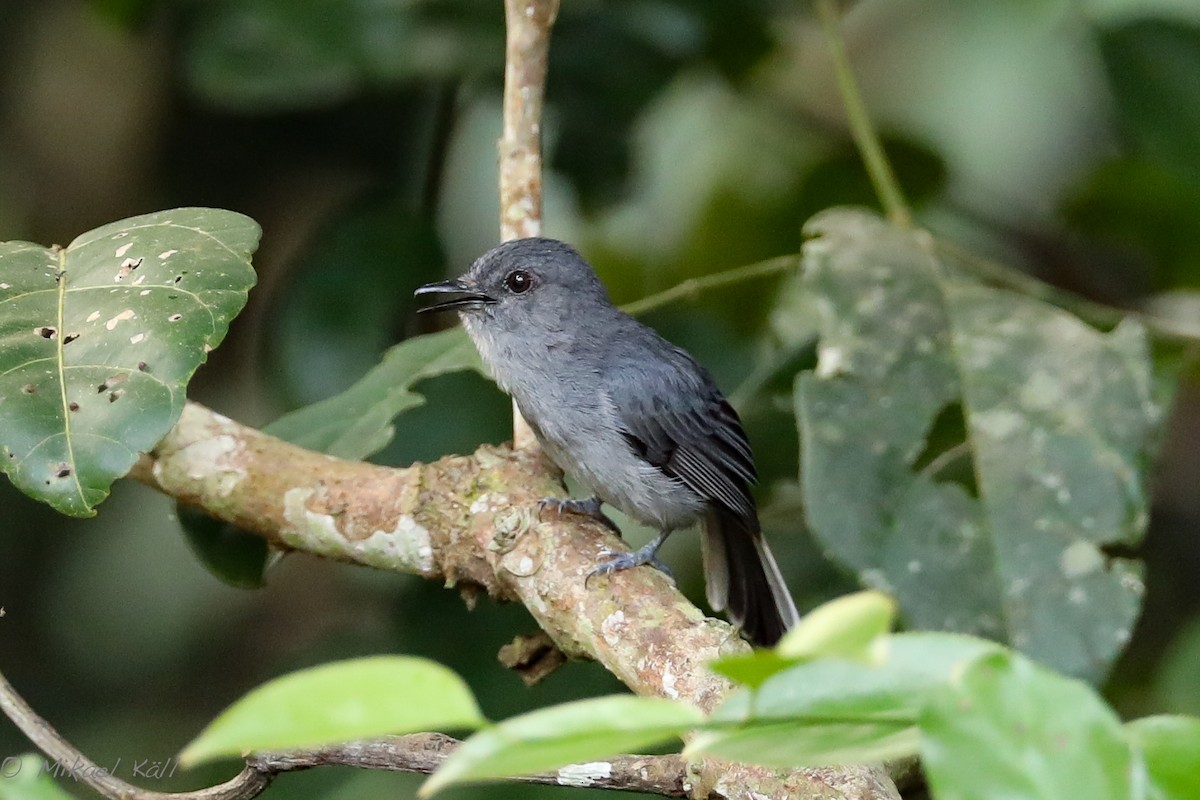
x=675, y=417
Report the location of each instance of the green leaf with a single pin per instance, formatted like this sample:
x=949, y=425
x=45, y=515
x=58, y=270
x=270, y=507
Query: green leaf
x=358, y=422
x=852, y=627
x=999, y=533
x=25, y=777
x=1170, y=746
x=838, y=711
x=1011, y=728
x=286, y=54
x=1154, y=71
x=1137, y=207
x=235, y=556
x=586, y=730
x=754, y=668
x=99, y=339
x=337, y=702
x=811, y=743
x=1176, y=686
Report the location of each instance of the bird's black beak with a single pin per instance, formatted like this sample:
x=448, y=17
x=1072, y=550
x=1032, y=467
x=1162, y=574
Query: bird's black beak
x=457, y=296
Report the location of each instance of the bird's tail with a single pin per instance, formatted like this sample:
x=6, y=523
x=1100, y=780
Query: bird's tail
x=741, y=575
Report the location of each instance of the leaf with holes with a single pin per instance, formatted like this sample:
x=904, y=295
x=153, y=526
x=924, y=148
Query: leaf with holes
x=99, y=339
x=972, y=451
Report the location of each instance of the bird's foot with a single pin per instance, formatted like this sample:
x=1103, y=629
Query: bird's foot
x=620, y=561
x=586, y=508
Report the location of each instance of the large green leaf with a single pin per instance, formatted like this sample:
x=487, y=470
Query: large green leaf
x=1011, y=728
x=853, y=627
x=998, y=531
x=358, y=422
x=235, y=556
x=812, y=742
x=99, y=339
x=1170, y=746
x=1176, y=686
x=346, y=700
x=585, y=730
x=287, y=54
x=1154, y=71
x=838, y=711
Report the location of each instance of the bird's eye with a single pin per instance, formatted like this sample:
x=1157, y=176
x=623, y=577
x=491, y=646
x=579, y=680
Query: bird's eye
x=518, y=281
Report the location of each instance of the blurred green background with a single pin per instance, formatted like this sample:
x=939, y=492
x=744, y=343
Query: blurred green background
x=683, y=137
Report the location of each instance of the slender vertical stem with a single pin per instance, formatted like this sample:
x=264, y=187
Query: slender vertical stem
x=865, y=137
x=528, y=24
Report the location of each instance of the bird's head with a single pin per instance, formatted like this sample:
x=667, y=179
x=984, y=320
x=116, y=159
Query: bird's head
x=521, y=285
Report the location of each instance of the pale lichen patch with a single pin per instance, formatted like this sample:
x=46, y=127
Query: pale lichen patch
x=309, y=530
x=584, y=775
x=668, y=683
x=613, y=627
x=211, y=461
x=407, y=545
x=481, y=504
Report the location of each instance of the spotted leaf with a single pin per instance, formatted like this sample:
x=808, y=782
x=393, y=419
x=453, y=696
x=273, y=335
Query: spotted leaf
x=98, y=341
x=972, y=451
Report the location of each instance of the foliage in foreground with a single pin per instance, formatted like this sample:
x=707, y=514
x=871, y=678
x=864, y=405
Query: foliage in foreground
x=838, y=689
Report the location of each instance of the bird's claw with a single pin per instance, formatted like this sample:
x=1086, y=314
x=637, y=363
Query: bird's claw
x=619, y=561
x=589, y=507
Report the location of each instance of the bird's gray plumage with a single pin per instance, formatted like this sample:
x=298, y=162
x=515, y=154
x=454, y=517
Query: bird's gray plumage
x=631, y=416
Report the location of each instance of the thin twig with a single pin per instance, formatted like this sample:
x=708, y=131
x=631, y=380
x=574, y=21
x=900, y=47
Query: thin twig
x=527, y=24
x=696, y=286
x=861, y=129
x=425, y=752
x=250, y=782
x=1097, y=314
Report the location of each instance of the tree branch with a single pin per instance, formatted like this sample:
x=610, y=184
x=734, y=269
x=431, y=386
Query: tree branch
x=527, y=25
x=474, y=520
x=425, y=752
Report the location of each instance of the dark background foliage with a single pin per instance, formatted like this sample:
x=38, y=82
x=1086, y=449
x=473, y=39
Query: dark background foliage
x=684, y=137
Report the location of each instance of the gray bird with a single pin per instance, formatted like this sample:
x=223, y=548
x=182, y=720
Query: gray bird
x=633, y=417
